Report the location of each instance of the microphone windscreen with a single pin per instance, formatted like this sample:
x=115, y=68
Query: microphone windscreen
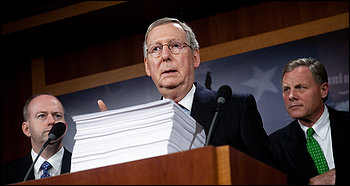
x=57, y=130
x=224, y=92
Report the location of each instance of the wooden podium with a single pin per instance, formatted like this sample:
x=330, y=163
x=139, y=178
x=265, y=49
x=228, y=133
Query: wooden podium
x=207, y=165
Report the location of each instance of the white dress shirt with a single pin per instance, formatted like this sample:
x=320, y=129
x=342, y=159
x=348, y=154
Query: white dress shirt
x=187, y=101
x=55, y=161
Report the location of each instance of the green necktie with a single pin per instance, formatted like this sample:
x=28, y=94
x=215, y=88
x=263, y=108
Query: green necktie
x=316, y=153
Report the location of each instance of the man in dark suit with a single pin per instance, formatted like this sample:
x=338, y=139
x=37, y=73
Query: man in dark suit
x=171, y=54
x=239, y=126
x=41, y=112
x=305, y=90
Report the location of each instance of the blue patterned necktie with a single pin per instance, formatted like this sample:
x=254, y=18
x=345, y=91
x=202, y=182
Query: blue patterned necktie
x=46, y=166
x=316, y=153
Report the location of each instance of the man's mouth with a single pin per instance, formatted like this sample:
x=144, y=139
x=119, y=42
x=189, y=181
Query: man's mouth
x=169, y=71
x=295, y=106
x=47, y=130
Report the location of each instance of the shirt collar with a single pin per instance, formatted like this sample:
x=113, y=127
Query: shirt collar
x=321, y=127
x=187, y=101
x=55, y=160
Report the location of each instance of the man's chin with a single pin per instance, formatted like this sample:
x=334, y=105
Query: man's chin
x=297, y=115
x=55, y=141
x=170, y=85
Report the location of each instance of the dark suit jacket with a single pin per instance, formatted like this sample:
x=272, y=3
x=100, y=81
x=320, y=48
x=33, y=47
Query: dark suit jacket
x=239, y=125
x=15, y=171
x=289, y=144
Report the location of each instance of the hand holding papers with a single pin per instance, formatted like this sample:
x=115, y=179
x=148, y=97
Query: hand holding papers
x=132, y=133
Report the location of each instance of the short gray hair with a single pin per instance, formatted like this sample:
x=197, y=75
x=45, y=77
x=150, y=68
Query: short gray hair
x=317, y=69
x=190, y=36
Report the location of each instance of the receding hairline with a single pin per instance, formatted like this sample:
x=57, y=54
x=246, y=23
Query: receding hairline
x=45, y=95
x=189, y=34
x=26, y=108
x=177, y=25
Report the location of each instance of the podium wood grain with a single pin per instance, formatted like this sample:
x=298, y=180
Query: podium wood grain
x=206, y=165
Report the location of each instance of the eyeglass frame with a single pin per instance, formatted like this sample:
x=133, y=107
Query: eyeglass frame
x=183, y=45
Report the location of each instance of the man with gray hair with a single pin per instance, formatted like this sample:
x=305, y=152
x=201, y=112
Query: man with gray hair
x=312, y=149
x=171, y=55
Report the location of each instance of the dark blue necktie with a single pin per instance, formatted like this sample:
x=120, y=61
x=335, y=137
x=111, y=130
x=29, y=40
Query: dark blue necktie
x=46, y=166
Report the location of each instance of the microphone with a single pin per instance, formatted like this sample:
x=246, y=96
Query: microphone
x=223, y=95
x=56, y=132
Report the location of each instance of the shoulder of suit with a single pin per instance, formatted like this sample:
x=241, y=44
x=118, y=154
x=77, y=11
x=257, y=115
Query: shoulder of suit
x=20, y=162
x=289, y=129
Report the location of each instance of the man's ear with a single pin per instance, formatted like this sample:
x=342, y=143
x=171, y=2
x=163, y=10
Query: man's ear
x=25, y=129
x=148, y=72
x=197, y=59
x=324, y=90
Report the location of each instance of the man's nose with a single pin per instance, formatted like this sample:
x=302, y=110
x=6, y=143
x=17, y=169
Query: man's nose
x=292, y=95
x=166, y=53
x=50, y=120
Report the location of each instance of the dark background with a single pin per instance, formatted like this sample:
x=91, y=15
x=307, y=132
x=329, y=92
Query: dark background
x=111, y=38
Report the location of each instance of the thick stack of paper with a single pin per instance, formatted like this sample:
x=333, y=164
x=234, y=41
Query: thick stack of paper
x=133, y=133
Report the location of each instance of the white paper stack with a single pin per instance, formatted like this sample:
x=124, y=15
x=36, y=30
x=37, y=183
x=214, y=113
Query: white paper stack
x=133, y=133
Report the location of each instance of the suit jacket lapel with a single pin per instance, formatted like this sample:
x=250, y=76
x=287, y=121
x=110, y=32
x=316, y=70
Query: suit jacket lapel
x=66, y=161
x=203, y=106
x=297, y=144
x=27, y=163
x=336, y=132
x=339, y=122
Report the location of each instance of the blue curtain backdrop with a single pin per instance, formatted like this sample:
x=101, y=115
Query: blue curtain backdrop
x=257, y=72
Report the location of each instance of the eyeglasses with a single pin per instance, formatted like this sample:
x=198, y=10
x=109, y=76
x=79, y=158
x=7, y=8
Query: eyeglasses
x=175, y=47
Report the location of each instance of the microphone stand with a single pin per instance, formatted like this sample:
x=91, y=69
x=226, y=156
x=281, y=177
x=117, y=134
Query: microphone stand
x=36, y=159
x=212, y=126
x=224, y=93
